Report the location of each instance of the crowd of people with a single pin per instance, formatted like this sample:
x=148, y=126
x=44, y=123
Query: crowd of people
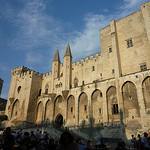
x=141, y=143
x=41, y=141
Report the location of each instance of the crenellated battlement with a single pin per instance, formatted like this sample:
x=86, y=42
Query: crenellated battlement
x=23, y=71
x=86, y=59
x=47, y=74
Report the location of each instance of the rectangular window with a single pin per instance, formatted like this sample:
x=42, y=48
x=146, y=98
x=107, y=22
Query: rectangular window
x=85, y=108
x=75, y=85
x=93, y=68
x=71, y=109
x=115, y=109
x=129, y=43
x=113, y=71
x=110, y=49
x=100, y=111
x=82, y=82
x=143, y=67
x=46, y=91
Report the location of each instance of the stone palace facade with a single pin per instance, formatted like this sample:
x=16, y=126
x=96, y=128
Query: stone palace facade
x=113, y=86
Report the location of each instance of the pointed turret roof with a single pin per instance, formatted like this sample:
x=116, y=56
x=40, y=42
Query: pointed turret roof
x=68, y=51
x=56, y=58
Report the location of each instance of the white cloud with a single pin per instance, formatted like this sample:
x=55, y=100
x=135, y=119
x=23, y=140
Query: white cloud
x=86, y=42
x=35, y=27
x=33, y=57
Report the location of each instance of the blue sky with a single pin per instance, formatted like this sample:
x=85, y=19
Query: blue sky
x=32, y=30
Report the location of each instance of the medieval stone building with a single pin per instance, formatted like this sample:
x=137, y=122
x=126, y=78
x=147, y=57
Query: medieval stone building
x=111, y=87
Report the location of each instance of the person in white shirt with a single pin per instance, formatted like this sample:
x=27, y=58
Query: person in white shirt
x=144, y=142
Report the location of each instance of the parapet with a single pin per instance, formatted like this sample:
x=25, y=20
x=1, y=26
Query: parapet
x=22, y=71
x=88, y=58
x=47, y=74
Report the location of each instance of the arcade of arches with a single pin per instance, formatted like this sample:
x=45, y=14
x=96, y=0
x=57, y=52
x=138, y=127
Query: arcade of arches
x=77, y=108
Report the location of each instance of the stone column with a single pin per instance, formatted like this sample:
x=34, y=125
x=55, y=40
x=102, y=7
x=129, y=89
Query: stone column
x=117, y=63
x=43, y=115
x=105, y=107
x=76, y=110
x=89, y=109
x=141, y=100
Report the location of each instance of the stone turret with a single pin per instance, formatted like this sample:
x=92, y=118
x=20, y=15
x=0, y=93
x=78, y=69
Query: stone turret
x=56, y=58
x=68, y=51
x=55, y=67
x=67, y=70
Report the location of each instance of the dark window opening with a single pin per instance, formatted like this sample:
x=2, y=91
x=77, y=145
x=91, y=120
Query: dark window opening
x=40, y=92
x=46, y=91
x=110, y=49
x=82, y=82
x=143, y=67
x=113, y=71
x=18, y=90
x=115, y=109
x=100, y=111
x=85, y=108
x=93, y=68
x=71, y=109
x=100, y=94
x=129, y=43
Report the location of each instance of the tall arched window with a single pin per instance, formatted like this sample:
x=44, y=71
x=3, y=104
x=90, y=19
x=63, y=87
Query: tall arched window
x=46, y=89
x=76, y=82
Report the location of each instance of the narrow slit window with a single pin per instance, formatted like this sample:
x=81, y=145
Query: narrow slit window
x=71, y=109
x=93, y=68
x=85, y=108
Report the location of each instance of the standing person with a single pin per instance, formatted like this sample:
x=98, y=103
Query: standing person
x=138, y=143
x=8, y=140
x=67, y=142
x=89, y=145
x=51, y=145
x=145, y=145
x=33, y=137
x=26, y=141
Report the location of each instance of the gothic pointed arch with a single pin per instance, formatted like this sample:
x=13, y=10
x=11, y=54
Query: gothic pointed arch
x=112, y=104
x=46, y=88
x=130, y=100
x=83, y=108
x=15, y=109
x=48, y=110
x=39, y=113
x=71, y=110
x=146, y=91
x=97, y=106
x=75, y=81
x=59, y=106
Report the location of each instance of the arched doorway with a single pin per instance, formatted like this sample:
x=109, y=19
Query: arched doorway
x=15, y=108
x=83, y=109
x=71, y=110
x=97, y=106
x=48, y=110
x=146, y=92
x=59, y=120
x=112, y=104
x=39, y=113
x=130, y=100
